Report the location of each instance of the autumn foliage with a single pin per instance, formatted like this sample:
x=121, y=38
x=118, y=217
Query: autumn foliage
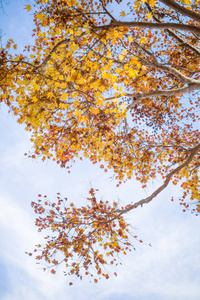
x=87, y=238
x=117, y=83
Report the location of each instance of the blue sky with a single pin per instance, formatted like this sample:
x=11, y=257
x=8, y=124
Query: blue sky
x=170, y=269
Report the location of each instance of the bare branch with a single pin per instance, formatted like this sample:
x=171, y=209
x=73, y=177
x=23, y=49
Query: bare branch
x=138, y=97
x=104, y=7
x=183, y=27
x=175, y=92
x=194, y=151
x=171, y=70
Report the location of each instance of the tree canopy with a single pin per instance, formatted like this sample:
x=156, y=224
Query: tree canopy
x=117, y=83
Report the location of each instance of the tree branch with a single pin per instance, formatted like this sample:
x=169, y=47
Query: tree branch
x=138, y=97
x=193, y=151
x=104, y=7
x=175, y=92
x=173, y=34
x=181, y=9
x=183, y=27
x=52, y=51
x=171, y=70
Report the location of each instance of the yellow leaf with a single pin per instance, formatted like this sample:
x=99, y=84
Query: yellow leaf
x=40, y=16
x=78, y=113
x=99, y=102
x=82, y=119
x=149, y=16
x=152, y=2
x=130, y=39
x=34, y=99
x=95, y=110
x=81, y=81
x=36, y=86
x=137, y=4
x=143, y=40
x=122, y=14
x=104, y=75
x=54, y=55
x=64, y=96
x=28, y=7
x=132, y=72
x=76, y=103
x=121, y=57
x=104, y=40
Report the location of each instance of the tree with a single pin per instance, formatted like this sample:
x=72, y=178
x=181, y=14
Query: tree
x=117, y=83
x=2, y=2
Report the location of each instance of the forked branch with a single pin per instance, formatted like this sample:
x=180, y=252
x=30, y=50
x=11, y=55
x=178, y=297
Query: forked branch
x=193, y=151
